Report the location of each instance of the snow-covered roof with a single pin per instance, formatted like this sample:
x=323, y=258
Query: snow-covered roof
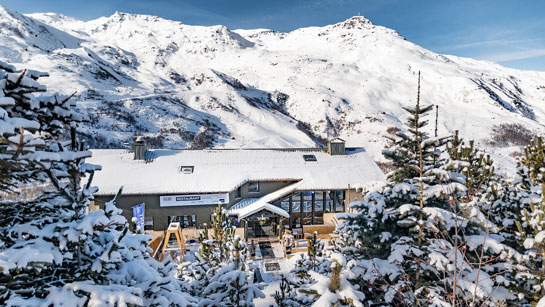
x=243, y=203
x=225, y=170
x=256, y=207
x=250, y=206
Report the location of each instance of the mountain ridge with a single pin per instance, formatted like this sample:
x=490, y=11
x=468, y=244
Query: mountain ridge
x=182, y=85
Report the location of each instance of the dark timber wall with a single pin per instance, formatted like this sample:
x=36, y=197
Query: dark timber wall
x=203, y=212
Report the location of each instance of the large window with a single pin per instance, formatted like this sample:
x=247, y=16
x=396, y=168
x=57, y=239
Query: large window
x=334, y=201
x=296, y=210
x=148, y=223
x=307, y=207
x=319, y=207
x=285, y=204
x=329, y=201
x=339, y=201
x=184, y=220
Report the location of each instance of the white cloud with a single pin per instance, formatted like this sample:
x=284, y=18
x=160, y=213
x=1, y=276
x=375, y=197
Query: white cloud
x=515, y=55
x=495, y=42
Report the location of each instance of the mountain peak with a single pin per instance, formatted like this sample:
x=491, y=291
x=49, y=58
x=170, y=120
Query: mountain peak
x=122, y=16
x=355, y=22
x=5, y=11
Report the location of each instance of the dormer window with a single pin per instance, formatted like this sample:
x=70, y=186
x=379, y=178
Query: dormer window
x=310, y=158
x=186, y=169
x=253, y=187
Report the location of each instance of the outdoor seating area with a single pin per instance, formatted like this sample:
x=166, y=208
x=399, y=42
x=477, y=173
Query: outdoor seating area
x=288, y=243
x=296, y=240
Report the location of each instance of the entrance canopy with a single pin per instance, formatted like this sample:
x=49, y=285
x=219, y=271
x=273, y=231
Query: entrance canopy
x=256, y=207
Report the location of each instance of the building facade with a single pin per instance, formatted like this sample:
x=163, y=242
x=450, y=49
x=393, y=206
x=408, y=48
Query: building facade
x=260, y=188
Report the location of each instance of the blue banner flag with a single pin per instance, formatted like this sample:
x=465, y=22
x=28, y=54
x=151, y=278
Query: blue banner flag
x=138, y=213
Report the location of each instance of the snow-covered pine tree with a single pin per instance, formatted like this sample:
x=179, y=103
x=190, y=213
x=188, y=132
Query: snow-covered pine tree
x=195, y=275
x=485, y=196
x=212, y=252
x=221, y=276
x=490, y=217
x=303, y=263
x=13, y=139
x=222, y=233
x=232, y=284
x=315, y=249
x=51, y=251
x=530, y=235
x=331, y=285
x=417, y=192
x=362, y=234
x=286, y=296
x=32, y=128
x=477, y=167
x=407, y=151
x=419, y=234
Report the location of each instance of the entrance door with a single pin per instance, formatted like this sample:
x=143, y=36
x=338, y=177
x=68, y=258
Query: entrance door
x=262, y=225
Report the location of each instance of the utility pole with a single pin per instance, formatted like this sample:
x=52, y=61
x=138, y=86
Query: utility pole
x=436, y=124
x=436, y=118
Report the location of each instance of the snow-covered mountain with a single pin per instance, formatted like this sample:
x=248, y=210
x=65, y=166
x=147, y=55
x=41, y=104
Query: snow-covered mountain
x=183, y=85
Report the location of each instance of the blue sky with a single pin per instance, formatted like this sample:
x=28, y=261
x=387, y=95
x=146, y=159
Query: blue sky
x=511, y=33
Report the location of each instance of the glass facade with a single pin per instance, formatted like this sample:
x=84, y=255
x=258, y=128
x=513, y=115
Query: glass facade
x=318, y=208
x=339, y=201
x=308, y=207
x=329, y=204
x=285, y=204
x=295, y=214
x=262, y=224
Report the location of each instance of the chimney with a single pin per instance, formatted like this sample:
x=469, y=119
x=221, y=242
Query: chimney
x=139, y=149
x=335, y=147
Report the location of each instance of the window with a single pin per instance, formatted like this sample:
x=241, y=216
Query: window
x=253, y=187
x=339, y=201
x=233, y=219
x=285, y=204
x=238, y=193
x=310, y=158
x=186, y=169
x=329, y=204
x=334, y=201
x=319, y=207
x=148, y=223
x=296, y=210
x=184, y=220
x=307, y=207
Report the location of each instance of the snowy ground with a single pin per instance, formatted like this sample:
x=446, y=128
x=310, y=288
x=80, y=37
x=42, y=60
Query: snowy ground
x=272, y=279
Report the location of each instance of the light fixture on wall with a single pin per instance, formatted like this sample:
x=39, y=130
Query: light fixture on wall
x=262, y=219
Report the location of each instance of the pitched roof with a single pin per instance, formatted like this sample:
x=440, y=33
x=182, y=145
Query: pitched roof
x=226, y=170
x=257, y=207
x=250, y=206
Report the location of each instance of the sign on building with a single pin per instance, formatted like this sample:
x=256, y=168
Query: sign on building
x=193, y=200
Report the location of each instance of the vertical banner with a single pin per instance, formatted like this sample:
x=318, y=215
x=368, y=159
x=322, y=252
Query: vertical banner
x=138, y=214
